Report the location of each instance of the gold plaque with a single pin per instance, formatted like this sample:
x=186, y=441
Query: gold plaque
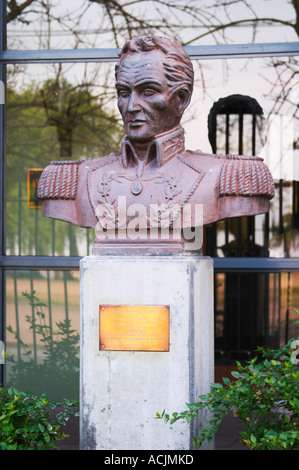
x=33, y=175
x=134, y=328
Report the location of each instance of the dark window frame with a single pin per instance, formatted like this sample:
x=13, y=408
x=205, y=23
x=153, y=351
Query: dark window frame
x=110, y=55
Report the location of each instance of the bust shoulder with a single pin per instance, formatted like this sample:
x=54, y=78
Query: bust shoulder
x=59, y=180
x=239, y=175
x=245, y=176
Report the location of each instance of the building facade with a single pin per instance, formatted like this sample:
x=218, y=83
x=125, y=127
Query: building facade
x=57, y=103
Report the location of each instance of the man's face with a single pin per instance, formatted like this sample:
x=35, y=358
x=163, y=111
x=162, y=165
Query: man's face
x=144, y=99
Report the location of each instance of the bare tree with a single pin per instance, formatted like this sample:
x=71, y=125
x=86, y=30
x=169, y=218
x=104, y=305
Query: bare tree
x=124, y=19
x=189, y=21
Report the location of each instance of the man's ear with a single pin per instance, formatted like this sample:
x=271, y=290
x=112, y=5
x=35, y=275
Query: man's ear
x=183, y=99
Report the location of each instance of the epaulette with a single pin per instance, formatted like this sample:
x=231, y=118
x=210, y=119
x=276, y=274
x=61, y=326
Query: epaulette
x=59, y=180
x=245, y=176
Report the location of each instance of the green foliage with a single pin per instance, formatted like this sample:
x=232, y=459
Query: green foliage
x=58, y=372
x=26, y=421
x=264, y=397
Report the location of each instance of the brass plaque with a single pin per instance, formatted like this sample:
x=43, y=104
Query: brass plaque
x=33, y=175
x=134, y=328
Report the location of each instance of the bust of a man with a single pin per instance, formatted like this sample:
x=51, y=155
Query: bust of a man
x=146, y=198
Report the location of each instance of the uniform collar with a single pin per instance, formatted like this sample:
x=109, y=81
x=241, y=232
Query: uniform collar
x=163, y=148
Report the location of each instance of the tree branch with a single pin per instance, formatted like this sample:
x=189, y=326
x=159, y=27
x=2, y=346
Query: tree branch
x=16, y=10
x=296, y=6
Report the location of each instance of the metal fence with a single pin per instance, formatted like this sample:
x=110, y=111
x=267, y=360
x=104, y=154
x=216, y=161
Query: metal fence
x=230, y=272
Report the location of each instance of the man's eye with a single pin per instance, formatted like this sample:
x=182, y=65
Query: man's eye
x=123, y=93
x=148, y=92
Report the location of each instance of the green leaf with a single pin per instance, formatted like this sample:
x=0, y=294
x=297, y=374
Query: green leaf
x=226, y=380
x=235, y=374
x=41, y=427
x=217, y=386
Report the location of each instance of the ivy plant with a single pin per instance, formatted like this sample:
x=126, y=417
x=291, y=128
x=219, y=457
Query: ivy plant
x=28, y=422
x=263, y=395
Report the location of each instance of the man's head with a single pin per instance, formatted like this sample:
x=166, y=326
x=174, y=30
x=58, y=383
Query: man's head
x=154, y=81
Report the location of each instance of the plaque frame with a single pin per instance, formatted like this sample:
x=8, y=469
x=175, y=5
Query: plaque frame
x=134, y=328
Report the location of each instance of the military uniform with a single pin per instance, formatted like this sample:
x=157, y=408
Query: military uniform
x=169, y=179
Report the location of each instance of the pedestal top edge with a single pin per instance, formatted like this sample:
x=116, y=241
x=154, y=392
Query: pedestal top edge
x=134, y=258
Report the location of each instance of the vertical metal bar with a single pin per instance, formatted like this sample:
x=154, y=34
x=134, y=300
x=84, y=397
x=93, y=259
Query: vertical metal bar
x=33, y=319
x=226, y=223
x=280, y=207
x=239, y=312
x=288, y=308
x=266, y=308
x=36, y=232
x=240, y=150
x=213, y=132
x=253, y=316
x=50, y=304
x=240, y=143
x=53, y=237
x=2, y=154
x=251, y=230
x=266, y=235
x=239, y=237
x=251, y=220
x=65, y=274
x=227, y=134
x=295, y=204
x=273, y=288
x=279, y=306
x=17, y=315
x=225, y=315
x=226, y=228
x=20, y=217
x=253, y=135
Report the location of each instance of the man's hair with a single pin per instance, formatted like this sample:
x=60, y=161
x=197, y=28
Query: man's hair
x=177, y=64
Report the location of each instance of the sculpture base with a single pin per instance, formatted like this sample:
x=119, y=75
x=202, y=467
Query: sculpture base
x=141, y=248
x=123, y=389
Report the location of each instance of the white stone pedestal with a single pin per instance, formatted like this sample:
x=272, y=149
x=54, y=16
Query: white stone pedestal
x=121, y=391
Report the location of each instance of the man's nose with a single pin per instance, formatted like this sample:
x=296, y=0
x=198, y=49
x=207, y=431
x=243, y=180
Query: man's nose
x=134, y=103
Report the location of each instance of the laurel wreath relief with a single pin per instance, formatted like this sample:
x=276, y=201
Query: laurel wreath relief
x=161, y=213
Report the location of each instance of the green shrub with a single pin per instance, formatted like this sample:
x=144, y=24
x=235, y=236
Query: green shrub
x=27, y=422
x=264, y=397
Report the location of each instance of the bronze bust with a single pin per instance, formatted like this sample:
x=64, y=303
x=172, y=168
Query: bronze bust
x=146, y=198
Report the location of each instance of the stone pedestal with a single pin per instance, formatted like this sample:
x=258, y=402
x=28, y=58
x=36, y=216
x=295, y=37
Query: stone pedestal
x=121, y=391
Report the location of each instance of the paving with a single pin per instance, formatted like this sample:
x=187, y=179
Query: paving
x=227, y=437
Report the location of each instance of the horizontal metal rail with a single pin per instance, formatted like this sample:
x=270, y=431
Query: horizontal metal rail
x=269, y=265
x=40, y=262
x=220, y=264
x=111, y=55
